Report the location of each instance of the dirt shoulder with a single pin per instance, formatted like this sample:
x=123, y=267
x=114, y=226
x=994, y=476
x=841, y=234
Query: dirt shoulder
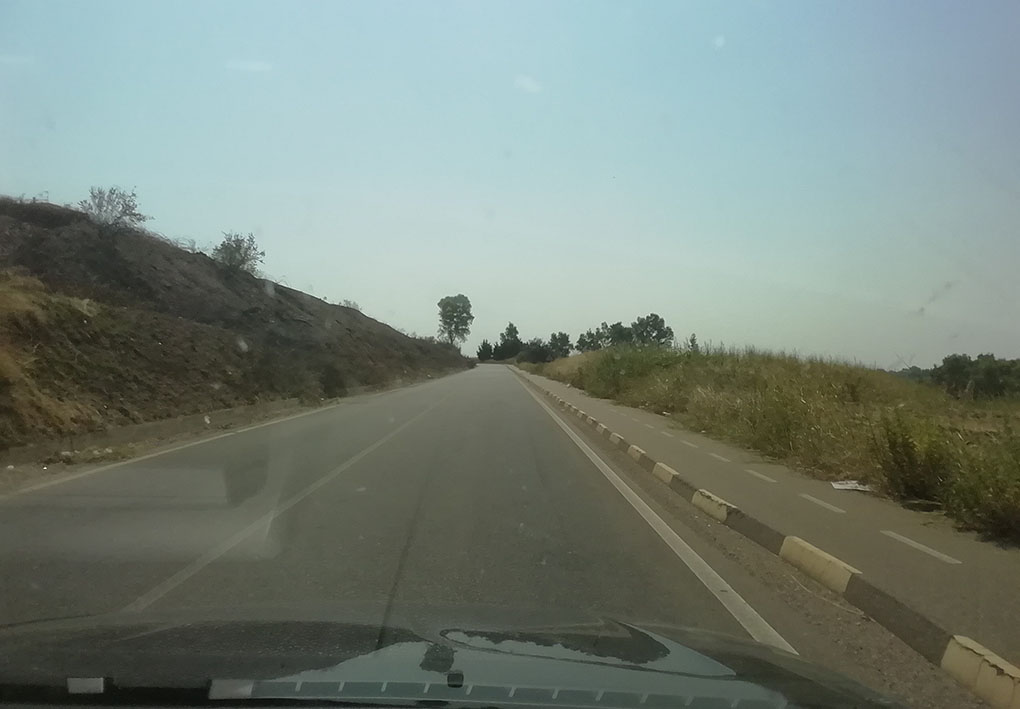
x=47, y=466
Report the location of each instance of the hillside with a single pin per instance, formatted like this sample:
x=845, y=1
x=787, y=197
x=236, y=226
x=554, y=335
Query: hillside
x=100, y=329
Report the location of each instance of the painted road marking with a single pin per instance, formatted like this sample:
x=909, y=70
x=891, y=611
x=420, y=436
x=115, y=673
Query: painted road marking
x=719, y=457
x=921, y=547
x=688, y=443
x=168, y=585
x=822, y=503
x=754, y=624
x=648, y=425
x=760, y=476
x=667, y=434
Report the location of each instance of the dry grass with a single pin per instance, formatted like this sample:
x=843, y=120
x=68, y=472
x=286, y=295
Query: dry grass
x=832, y=419
x=24, y=305
x=20, y=299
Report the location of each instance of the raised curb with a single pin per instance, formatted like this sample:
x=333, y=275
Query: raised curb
x=642, y=458
x=989, y=676
x=819, y=565
x=664, y=473
x=712, y=505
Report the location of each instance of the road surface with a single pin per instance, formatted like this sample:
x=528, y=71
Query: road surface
x=464, y=491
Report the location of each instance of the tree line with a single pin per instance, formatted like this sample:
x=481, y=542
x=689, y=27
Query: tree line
x=981, y=377
x=646, y=330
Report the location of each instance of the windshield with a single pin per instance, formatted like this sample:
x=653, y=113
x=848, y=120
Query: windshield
x=448, y=320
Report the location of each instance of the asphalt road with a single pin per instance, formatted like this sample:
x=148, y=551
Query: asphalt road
x=460, y=492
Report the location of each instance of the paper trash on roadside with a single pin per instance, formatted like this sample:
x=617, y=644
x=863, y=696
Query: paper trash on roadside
x=851, y=485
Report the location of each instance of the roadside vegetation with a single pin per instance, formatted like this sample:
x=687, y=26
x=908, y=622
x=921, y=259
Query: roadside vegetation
x=238, y=252
x=104, y=323
x=931, y=446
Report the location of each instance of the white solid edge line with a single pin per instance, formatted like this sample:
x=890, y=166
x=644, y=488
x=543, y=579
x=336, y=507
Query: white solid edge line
x=822, y=503
x=169, y=584
x=756, y=626
x=719, y=457
x=921, y=547
x=760, y=476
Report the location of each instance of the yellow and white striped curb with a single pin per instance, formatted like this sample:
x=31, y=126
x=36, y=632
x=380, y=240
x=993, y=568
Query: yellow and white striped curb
x=819, y=565
x=712, y=505
x=982, y=671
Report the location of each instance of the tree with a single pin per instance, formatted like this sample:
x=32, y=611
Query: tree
x=509, y=344
x=914, y=373
x=238, y=252
x=484, y=351
x=510, y=334
x=455, y=318
x=113, y=208
x=587, y=341
x=617, y=334
x=953, y=373
x=596, y=339
x=559, y=344
x=651, y=330
x=535, y=351
x=989, y=375
x=692, y=345
x=352, y=304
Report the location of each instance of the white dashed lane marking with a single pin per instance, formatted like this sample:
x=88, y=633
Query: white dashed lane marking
x=719, y=457
x=822, y=503
x=760, y=476
x=688, y=443
x=667, y=434
x=921, y=547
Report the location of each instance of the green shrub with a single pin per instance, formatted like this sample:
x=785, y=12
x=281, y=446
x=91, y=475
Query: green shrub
x=987, y=496
x=611, y=372
x=918, y=461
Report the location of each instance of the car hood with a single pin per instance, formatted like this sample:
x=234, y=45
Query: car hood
x=456, y=657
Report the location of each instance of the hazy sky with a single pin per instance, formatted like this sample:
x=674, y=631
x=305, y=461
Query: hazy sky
x=835, y=178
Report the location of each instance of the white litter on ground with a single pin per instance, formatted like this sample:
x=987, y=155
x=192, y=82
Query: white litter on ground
x=851, y=485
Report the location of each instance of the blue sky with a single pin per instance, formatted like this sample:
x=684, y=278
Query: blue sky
x=832, y=178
